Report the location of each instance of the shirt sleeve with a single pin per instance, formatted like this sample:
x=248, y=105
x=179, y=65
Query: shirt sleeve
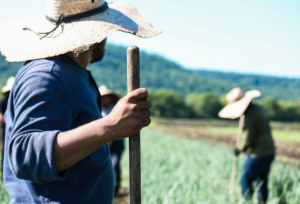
x=42, y=110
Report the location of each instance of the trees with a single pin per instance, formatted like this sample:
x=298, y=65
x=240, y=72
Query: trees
x=282, y=110
x=272, y=108
x=206, y=105
x=166, y=103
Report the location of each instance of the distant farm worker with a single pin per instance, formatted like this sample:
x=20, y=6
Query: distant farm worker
x=258, y=143
x=3, y=106
x=56, y=143
x=116, y=147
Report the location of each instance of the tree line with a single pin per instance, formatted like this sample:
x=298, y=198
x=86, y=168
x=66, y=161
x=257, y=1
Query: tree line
x=158, y=72
x=171, y=104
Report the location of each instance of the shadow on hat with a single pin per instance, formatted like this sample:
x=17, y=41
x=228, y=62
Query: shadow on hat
x=238, y=101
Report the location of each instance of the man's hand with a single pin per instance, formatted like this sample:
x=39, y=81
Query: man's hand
x=128, y=117
x=130, y=114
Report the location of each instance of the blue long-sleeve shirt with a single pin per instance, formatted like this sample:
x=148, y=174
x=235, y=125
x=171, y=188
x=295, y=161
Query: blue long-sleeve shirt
x=50, y=96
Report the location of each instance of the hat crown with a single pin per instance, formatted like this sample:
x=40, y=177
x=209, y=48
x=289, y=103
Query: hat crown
x=10, y=81
x=55, y=8
x=103, y=89
x=234, y=95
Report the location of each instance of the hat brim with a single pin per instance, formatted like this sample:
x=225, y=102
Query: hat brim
x=21, y=45
x=236, y=109
x=6, y=89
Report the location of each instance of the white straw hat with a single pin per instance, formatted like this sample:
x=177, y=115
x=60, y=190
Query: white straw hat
x=104, y=91
x=237, y=103
x=9, y=85
x=69, y=25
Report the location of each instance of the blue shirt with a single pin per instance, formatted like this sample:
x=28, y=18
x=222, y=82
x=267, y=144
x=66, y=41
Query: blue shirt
x=51, y=96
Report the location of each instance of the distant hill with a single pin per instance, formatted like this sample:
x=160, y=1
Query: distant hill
x=158, y=72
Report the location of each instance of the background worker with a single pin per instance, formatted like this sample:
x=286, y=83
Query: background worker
x=3, y=106
x=116, y=147
x=258, y=143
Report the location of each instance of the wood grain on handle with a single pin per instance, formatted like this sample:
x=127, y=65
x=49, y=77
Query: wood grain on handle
x=133, y=82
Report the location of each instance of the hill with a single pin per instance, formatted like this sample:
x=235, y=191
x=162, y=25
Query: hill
x=158, y=72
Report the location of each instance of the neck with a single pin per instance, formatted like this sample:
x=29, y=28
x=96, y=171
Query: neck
x=83, y=59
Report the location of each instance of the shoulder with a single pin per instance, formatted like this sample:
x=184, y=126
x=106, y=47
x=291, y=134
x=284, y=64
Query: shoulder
x=56, y=68
x=38, y=75
x=255, y=111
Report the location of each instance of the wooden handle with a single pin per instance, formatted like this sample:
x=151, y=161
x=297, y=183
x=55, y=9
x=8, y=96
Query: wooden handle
x=236, y=161
x=133, y=82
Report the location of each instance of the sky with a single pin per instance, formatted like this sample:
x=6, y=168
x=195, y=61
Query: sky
x=244, y=36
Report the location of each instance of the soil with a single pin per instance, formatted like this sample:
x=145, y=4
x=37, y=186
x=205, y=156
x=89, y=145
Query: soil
x=289, y=151
x=122, y=197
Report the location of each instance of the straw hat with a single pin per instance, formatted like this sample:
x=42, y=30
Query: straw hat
x=237, y=103
x=9, y=85
x=104, y=91
x=68, y=26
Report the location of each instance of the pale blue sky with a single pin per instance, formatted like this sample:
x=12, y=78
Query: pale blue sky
x=248, y=36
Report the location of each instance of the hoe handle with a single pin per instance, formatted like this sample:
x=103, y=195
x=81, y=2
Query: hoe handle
x=133, y=82
x=235, y=164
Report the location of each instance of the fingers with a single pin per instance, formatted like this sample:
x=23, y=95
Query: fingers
x=144, y=104
x=146, y=122
x=140, y=93
x=146, y=113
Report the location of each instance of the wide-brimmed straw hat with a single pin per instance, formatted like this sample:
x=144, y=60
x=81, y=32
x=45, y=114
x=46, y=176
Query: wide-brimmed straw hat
x=68, y=25
x=9, y=85
x=237, y=103
x=104, y=91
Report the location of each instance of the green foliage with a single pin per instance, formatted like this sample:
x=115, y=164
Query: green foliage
x=176, y=170
x=158, y=72
x=206, y=105
x=166, y=103
x=281, y=111
x=272, y=107
x=171, y=104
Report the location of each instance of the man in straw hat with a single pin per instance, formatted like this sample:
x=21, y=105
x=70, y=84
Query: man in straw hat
x=56, y=139
x=3, y=106
x=116, y=147
x=258, y=142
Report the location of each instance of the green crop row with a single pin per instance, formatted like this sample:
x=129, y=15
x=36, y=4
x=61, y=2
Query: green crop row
x=176, y=170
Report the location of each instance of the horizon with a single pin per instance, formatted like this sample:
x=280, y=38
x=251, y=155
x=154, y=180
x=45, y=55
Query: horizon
x=258, y=38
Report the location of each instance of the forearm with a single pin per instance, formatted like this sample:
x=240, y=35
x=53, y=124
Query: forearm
x=72, y=146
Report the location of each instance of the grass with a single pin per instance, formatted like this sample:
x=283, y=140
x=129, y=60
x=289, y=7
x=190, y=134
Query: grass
x=179, y=171
x=176, y=170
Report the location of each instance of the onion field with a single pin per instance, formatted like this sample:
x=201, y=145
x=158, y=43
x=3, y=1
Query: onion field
x=180, y=170
x=177, y=170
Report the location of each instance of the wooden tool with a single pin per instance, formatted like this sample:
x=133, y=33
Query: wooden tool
x=235, y=164
x=133, y=82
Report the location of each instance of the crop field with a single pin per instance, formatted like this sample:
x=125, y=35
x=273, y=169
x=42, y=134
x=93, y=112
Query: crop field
x=179, y=170
x=286, y=135
x=190, y=169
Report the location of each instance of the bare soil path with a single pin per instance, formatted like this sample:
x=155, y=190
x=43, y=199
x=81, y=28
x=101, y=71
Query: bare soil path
x=197, y=130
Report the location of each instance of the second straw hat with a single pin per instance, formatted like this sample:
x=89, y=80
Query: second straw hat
x=9, y=85
x=237, y=102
